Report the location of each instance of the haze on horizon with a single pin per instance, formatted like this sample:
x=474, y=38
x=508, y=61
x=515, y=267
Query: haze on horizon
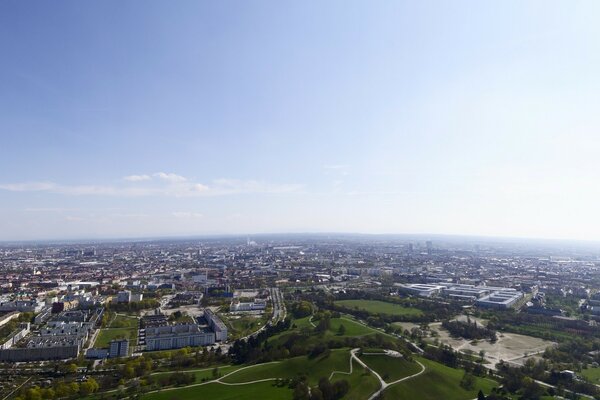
x=137, y=119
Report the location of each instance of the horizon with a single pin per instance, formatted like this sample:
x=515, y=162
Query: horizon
x=127, y=121
x=401, y=237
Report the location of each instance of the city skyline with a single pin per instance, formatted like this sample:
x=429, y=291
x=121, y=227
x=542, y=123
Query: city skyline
x=123, y=120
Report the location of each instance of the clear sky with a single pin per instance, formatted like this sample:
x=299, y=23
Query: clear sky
x=159, y=118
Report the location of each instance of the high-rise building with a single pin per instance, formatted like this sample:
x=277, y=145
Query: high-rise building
x=118, y=348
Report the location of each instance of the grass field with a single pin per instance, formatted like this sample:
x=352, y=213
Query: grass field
x=203, y=373
x=437, y=382
x=391, y=368
x=316, y=368
x=362, y=382
x=593, y=374
x=216, y=391
x=240, y=326
x=106, y=335
x=123, y=321
x=380, y=307
x=353, y=328
x=302, y=322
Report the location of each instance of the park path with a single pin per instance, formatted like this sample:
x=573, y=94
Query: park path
x=384, y=384
x=219, y=379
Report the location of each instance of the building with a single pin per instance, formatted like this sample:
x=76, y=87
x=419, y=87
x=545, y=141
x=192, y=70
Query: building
x=136, y=297
x=216, y=324
x=96, y=353
x=40, y=348
x=21, y=306
x=24, y=329
x=124, y=296
x=420, y=289
x=118, y=348
x=256, y=305
x=501, y=299
x=177, y=336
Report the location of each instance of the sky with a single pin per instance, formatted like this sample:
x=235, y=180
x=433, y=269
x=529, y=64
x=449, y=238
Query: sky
x=152, y=119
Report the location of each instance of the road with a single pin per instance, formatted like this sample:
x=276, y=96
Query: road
x=278, y=305
x=279, y=312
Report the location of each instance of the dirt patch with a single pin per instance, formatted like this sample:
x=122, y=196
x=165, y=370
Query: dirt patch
x=510, y=347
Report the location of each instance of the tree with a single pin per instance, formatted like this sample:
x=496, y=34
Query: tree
x=34, y=393
x=72, y=368
x=301, y=391
x=340, y=388
x=480, y=395
x=74, y=388
x=468, y=381
x=531, y=390
x=88, y=387
x=324, y=324
x=342, y=330
x=326, y=388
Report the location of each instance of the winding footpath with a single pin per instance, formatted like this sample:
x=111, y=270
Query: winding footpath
x=383, y=383
x=219, y=380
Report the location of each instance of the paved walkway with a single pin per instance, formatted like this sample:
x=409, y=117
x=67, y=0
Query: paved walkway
x=383, y=384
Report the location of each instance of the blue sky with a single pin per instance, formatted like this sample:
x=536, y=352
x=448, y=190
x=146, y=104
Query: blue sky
x=146, y=118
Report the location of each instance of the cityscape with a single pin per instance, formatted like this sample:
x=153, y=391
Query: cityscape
x=299, y=200
x=163, y=318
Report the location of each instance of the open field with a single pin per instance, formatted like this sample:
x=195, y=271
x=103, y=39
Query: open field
x=380, y=307
x=302, y=322
x=243, y=325
x=390, y=368
x=216, y=391
x=204, y=373
x=353, y=328
x=106, y=335
x=241, y=385
x=509, y=346
x=123, y=321
x=437, y=382
x=593, y=374
x=316, y=368
x=362, y=382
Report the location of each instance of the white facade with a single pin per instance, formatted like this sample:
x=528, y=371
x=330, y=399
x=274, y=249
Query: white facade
x=177, y=336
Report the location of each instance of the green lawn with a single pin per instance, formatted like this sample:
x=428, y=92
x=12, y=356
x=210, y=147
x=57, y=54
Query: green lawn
x=353, y=328
x=437, y=382
x=122, y=321
x=244, y=325
x=203, y=373
x=380, y=307
x=391, y=368
x=302, y=322
x=593, y=374
x=106, y=335
x=216, y=391
x=362, y=382
x=316, y=368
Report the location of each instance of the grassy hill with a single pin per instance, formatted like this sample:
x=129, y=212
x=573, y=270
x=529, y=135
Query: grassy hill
x=390, y=368
x=314, y=369
x=216, y=391
x=437, y=382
